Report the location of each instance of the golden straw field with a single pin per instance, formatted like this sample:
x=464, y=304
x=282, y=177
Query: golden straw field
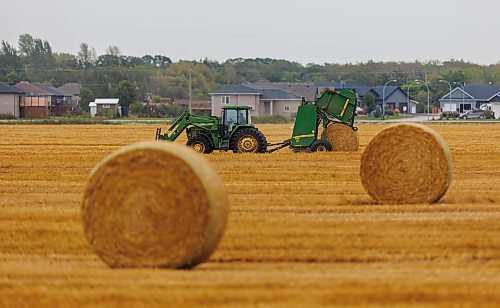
x=301, y=230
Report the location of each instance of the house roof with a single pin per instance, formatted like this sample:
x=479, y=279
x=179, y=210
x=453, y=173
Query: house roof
x=361, y=91
x=237, y=89
x=272, y=94
x=30, y=89
x=107, y=101
x=70, y=89
x=266, y=93
x=388, y=91
x=50, y=89
x=307, y=90
x=478, y=92
x=482, y=92
x=5, y=88
x=36, y=88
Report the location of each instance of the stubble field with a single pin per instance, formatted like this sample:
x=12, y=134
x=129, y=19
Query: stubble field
x=301, y=229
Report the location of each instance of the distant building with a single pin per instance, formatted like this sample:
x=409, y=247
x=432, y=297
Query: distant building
x=108, y=107
x=72, y=90
x=307, y=90
x=262, y=100
x=268, y=98
x=470, y=97
x=198, y=106
x=395, y=98
x=39, y=100
x=10, y=99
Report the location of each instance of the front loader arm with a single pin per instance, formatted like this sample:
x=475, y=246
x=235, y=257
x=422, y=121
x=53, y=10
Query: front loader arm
x=175, y=129
x=184, y=121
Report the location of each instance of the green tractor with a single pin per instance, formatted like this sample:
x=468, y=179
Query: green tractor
x=233, y=131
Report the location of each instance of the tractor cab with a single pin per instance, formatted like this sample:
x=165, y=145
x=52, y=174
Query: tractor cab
x=233, y=116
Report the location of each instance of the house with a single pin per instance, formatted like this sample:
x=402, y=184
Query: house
x=395, y=98
x=307, y=90
x=72, y=90
x=262, y=100
x=198, y=106
x=471, y=97
x=355, y=87
x=10, y=99
x=40, y=100
x=108, y=107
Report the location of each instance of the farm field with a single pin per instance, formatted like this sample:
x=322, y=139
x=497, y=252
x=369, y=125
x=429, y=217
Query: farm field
x=301, y=231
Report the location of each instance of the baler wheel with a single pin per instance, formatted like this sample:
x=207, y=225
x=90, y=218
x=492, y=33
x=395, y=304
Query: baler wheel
x=321, y=146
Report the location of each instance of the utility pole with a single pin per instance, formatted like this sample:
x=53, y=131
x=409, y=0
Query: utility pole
x=190, y=92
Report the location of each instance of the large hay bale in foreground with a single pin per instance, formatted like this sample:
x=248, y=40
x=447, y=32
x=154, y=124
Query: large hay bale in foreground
x=154, y=204
x=406, y=163
x=342, y=137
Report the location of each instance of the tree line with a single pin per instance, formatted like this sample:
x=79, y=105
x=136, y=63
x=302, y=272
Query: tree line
x=157, y=75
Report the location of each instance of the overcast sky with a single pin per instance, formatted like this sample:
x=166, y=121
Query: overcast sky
x=313, y=31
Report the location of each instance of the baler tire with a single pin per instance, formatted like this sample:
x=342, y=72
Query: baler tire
x=201, y=144
x=321, y=145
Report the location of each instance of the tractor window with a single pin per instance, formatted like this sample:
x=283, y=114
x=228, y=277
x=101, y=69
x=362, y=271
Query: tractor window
x=231, y=117
x=242, y=117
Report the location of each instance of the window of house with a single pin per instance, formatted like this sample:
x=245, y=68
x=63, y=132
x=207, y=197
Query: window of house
x=224, y=100
x=287, y=108
x=105, y=106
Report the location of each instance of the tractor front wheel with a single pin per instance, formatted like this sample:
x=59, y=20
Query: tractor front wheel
x=249, y=140
x=200, y=144
x=321, y=146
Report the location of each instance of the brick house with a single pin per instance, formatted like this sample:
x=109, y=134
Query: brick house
x=39, y=100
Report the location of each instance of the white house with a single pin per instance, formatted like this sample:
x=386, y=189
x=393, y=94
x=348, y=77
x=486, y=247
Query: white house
x=471, y=97
x=105, y=107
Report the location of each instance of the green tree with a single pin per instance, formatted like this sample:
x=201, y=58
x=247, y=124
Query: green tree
x=26, y=45
x=86, y=96
x=369, y=102
x=86, y=56
x=10, y=64
x=156, y=99
x=137, y=108
x=125, y=91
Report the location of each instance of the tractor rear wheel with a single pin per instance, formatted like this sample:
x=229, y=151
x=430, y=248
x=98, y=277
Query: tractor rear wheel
x=201, y=144
x=248, y=140
x=321, y=145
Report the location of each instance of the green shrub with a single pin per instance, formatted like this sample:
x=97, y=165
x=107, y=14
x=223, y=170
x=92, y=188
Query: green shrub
x=137, y=108
x=6, y=116
x=167, y=111
x=489, y=114
x=389, y=112
x=378, y=112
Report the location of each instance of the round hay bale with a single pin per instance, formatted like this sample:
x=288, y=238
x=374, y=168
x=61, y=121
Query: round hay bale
x=154, y=204
x=342, y=137
x=406, y=163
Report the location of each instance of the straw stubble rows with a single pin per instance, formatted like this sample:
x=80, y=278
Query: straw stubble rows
x=301, y=228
